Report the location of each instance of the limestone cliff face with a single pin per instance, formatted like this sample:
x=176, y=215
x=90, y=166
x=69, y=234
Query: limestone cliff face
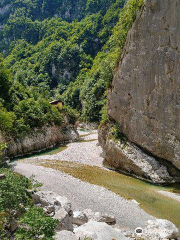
x=145, y=94
x=39, y=139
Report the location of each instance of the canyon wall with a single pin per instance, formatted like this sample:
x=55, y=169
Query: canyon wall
x=38, y=140
x=144, y=98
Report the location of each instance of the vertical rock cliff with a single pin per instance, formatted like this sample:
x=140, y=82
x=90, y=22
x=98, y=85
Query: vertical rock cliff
x=144, y=98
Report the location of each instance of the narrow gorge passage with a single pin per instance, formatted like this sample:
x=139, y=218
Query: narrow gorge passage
x=76, y=171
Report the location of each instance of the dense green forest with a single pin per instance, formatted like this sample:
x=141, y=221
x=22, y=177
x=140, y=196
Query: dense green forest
x=59, y=49
x=53, y=49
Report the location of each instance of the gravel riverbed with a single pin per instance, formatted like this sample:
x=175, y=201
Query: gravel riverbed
x=82, y=194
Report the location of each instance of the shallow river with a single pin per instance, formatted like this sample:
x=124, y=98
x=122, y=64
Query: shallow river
x=145, y=194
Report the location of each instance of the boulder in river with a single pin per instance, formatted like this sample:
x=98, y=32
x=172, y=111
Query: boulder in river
x=65, y=220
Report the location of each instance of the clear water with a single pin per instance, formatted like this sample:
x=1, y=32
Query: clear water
x=128, y=187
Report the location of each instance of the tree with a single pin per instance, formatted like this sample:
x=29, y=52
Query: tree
x=36, y=225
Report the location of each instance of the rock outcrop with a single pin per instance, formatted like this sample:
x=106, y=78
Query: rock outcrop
x=160, y=229
x=57, y=207
x=145, y=92
x=38, y=140
x=98, y=231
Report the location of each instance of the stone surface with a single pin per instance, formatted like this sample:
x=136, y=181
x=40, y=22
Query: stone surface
x=65, y=235
x=127, y=157
x=13, y=225
x=161, y=229
x=100, y=217
x=39, y=139
x=65, y=220
x=57, y=207
x=98, y=231
x=65, y=203
x=109, y=219
x=89, y=213
x=145, y=92
x=79, y=218
x=47, y=199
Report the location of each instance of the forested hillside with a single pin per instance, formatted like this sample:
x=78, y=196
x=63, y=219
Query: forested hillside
x=59, y=49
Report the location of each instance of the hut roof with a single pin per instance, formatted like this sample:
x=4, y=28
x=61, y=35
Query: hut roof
x=56, y=102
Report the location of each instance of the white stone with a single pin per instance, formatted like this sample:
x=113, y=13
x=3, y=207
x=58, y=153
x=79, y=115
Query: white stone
x=46, y=199
x=65, y=203
x=109, y=219
x=65, y=220
x=98, y=231
x=89, y=213
x=79, y=218
x=65, y=235
x=163, y=228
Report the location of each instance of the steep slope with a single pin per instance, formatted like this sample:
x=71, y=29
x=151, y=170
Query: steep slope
x=49, y=52
x=144, y=96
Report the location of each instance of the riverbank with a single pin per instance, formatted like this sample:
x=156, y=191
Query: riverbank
x=84, y=151
x=77, y=173
x=84, y=195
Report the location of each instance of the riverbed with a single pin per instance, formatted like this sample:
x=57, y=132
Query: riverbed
x=82, y=160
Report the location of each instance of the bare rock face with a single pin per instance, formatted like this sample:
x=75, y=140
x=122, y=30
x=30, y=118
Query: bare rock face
x=145, y=94
x=126, y=157
x=38, y=140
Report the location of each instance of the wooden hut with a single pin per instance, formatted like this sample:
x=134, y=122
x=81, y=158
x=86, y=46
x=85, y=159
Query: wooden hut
x=57, y=103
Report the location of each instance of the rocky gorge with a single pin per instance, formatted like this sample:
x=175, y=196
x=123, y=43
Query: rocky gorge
x=143, y=97
x=104, y=204
x=97, y=184
x=86, y=224
x=38, y=140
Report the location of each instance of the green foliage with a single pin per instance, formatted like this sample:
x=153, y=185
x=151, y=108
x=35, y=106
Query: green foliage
x=71, y=114
x=3, y=146
x=93, y=92
x=36, y=113
x=7, y=120
x=29, y=108
x=13, y=192
x=51, y=58
x=4, y=217
x=117, y=135
x=104, y=115
x=36, y=225
x=5, y=82
x=15, y=198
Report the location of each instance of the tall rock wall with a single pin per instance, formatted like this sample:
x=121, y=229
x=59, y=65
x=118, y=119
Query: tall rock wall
x=145, y=94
